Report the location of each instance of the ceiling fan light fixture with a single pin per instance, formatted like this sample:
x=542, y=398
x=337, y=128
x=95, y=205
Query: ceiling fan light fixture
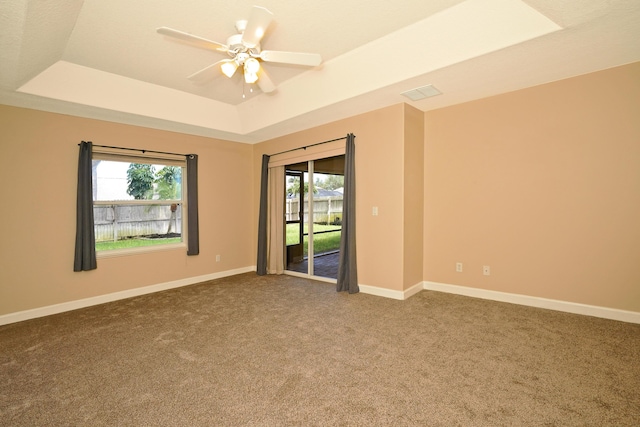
x=251, y=65
x=229, y=68
x=250, y=77
x=251, y=68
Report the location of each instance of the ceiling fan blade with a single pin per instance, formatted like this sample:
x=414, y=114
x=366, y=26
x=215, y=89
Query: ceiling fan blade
x=193, y=40
x=208, y=73
x=257, y=24
x=264, y=82
x=296, y=58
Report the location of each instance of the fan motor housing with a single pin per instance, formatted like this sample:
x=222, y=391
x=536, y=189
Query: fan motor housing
x=236, y=46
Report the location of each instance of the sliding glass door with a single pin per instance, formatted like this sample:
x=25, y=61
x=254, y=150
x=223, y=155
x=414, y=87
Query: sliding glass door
x=314, y=216
x=294, y=230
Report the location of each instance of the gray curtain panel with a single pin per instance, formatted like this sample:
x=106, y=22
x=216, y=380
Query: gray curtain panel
x=261, y=263
x=85, y=254
x=193, y=239
x=347, y=269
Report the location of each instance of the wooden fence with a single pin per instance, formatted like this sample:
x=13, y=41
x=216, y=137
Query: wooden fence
x=114, y=222
x=326, y=210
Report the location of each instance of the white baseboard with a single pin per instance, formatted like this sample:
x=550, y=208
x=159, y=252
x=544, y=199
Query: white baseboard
x=413, y=290
x=390, y=293
x=129, y=293
x=568, y=307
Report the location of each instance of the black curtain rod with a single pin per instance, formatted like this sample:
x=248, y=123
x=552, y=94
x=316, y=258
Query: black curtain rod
x=138, y=149
x=307, y=146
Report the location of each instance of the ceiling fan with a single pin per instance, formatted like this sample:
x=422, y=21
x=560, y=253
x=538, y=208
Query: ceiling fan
x=244, y=50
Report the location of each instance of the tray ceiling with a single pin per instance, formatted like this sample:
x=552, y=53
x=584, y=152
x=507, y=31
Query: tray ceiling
x=104, y=59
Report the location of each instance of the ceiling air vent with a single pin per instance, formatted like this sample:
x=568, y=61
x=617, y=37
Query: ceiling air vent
x=421, y=92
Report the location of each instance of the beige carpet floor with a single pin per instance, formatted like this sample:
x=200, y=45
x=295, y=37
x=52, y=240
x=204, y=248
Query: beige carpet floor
x=286, y=351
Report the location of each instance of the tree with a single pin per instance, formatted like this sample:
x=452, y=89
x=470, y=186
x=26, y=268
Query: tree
x=140, y=178
x=168, y=180
x=331, y=182
x=294, y=187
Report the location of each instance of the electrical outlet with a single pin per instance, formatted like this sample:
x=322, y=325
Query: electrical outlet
x=217, y=258
x=486, y=270
x=459, y=267
x=374, y=211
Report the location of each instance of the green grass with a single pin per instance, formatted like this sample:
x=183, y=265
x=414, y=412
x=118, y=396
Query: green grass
x=134, y=243
x=324, y=242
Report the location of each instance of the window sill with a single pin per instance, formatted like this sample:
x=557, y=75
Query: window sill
x=143, y=250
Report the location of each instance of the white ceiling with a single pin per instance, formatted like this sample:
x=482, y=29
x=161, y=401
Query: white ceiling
x=104, y=59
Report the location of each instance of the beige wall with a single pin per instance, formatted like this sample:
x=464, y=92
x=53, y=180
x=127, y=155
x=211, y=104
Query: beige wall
x=40, y=155
x=413, y=193
x=543, y=185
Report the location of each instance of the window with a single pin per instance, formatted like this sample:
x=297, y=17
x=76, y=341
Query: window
x=139, y=202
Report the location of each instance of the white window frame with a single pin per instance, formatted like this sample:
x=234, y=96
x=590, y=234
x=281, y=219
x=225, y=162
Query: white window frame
x=113, y=154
